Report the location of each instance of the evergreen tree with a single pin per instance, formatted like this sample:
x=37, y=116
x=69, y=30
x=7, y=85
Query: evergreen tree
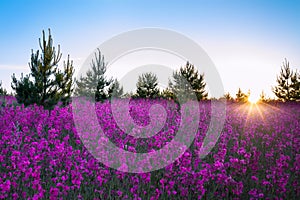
x=262, y=97
x=187, y=82
x=228, y=97
x=288, y=88
x=25, y=90
x=64, y=80
x=129, y=95
x=168, y=94
x=94, y=83
x=115, y=90
x=241, y=96
x=295, y=84
x=46, y=85
x=147, y=86
x=2, y=90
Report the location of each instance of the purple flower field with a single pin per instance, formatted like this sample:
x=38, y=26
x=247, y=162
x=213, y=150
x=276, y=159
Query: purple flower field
x=257, y=155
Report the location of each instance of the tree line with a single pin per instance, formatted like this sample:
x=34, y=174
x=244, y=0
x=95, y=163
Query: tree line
x=47, y=84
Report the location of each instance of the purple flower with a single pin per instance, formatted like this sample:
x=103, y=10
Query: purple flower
x=254, y=178
x=54, y=192
x=6, y=186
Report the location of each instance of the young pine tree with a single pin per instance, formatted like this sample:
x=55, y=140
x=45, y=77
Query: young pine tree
x=228, y=97
x=147, y=86
x=168, y=94
x=295, y=84
x=2, y=90
x=187, y=83
x=94, y=83
x=115, y=90
x=46, y=85
x=262, y=97
x=241, y=96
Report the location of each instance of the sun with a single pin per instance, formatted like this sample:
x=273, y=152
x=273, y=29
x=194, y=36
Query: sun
x=253, y=99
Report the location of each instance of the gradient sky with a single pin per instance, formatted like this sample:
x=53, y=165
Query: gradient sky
x=247, y=40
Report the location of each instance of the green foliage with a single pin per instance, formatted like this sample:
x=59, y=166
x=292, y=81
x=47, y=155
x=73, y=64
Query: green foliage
x=147, y=86
x=2, y=90
x=241, y=96
x=295, y=84
x=94, y=84
x=115, y=90
x=187, y=83
x=26, y=92
x=46, y=85
x=168, y=94
x=288, y=88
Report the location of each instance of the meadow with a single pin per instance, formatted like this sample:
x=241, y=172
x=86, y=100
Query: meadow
x=257, y=155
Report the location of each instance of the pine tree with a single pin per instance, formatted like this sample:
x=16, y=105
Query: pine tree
x=262, y=97
x=26, y=92
x=295, y=84
x=241, y=96
x=288, y=88
x=46, y=85
x=228, y=97
x=94, y=83
x=187, y=83
x=168, y=94
x=2, y=90
x=115, y=90
x=147, y=86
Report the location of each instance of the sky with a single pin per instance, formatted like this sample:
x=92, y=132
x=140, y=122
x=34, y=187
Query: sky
x=246, y=40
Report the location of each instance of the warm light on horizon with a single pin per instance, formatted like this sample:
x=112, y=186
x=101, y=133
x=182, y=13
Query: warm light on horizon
x=253, y=99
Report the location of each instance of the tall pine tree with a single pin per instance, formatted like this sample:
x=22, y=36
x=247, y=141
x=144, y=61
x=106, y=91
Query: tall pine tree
x=46, y=85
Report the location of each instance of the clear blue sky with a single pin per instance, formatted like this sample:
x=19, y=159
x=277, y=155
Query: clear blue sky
x=247, y=40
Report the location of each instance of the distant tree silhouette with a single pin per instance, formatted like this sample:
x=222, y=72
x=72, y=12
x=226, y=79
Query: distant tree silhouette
x=94, y=84
x=147, y=86
x=241, y=96
x=46, y=85
x=262, y=97
x=187, y=82
x=228, y=97
x=288, y=86
x=2, y=90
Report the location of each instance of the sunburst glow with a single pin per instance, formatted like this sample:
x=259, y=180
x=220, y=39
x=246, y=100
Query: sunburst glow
x=253, y=99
